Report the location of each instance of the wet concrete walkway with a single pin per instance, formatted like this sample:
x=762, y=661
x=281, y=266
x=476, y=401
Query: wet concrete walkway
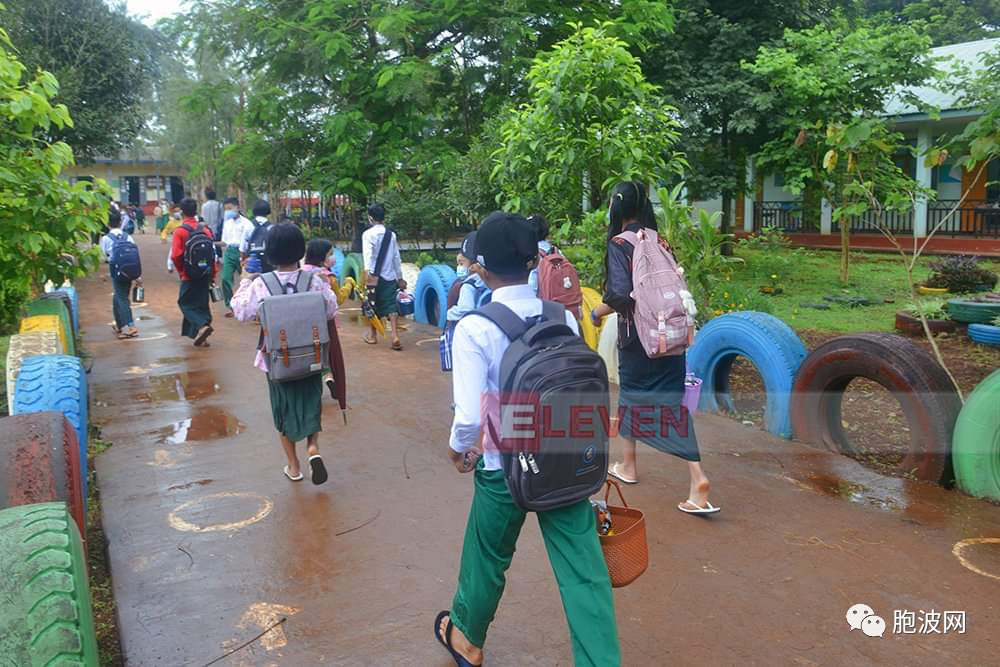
x=210, y=544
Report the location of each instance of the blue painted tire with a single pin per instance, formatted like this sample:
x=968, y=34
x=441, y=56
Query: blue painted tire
x=431, y=294
x=985, y=334
x=56, y=382
x=74, y=300
x=770, y=344
x=338, y=264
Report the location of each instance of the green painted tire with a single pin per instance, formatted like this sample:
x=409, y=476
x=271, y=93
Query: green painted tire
x=45, y=613
x=975, y=449
x=354, y=266
x=54, y=307
x=973, y=312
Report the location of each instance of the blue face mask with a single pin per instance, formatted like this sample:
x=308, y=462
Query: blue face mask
x=231, y=215
x=462, y=271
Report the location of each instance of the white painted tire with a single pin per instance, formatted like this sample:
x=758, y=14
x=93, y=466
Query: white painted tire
x=27, y=345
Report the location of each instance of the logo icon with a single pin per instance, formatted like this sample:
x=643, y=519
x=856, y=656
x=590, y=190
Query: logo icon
x=857, y=614
x=589, y=454
x=873, y=626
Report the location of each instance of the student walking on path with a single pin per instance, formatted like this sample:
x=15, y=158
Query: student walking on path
x=236, y=229
x=384, y=267
x=193, y=255
x=122, y=256
x=211, y=214
x=296, y=405
x=645, y=383
x=507, y=251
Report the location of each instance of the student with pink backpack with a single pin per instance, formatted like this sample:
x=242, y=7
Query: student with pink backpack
x=644, y=285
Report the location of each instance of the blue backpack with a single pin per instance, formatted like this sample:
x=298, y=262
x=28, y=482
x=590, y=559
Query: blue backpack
x=124, y=260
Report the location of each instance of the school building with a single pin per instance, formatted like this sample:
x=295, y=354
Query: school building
x=139, y=177
x=975, y=226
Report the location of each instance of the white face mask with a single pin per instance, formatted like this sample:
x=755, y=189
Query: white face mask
x=462, y=271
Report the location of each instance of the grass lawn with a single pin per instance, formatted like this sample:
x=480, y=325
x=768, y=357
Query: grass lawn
x=807, y=276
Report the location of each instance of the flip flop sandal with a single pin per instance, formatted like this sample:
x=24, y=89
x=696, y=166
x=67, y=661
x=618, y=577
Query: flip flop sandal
x=397, y=346
x=332, y=386
x=206, y=331
x=115, y=329
x=613, y=471
x=701, y=511
x=294, y=479
x=369, y=340
x=319, y=474
x=446, y=640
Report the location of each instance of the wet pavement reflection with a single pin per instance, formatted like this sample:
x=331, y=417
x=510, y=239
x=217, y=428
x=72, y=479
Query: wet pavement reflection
x=207, y=423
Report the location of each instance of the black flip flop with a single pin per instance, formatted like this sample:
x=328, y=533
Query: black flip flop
x=331, y=385
x=203, y=335
x=318, y=469
x=446, y=641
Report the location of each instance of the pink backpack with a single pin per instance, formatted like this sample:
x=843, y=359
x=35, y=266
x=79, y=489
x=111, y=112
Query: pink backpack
x=661, y=320
x=559, y=282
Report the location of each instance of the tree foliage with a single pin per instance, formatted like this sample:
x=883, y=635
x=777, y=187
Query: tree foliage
x=45, y=221
x=105, y=63
x=946, y=21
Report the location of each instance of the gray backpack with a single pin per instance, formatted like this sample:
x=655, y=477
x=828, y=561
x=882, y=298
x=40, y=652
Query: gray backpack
x=293, y=331
x=548, y=370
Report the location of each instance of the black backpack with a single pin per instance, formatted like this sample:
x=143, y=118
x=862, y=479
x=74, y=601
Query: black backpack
x=124, y=261
x=257, y=243
x=199, y=252
x=549, y=372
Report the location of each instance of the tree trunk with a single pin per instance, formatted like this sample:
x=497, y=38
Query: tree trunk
x=725, y=226
x=845, y=251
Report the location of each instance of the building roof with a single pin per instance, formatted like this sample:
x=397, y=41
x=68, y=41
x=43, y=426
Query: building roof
x=966, y=53
x=136, y=155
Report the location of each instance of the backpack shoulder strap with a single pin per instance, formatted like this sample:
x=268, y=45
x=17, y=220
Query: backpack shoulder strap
x=631, y=237
x=188, y=227
x=383, y=250
x=510, y=324
x=304, y=281
x=272, y=283
x=553, y=311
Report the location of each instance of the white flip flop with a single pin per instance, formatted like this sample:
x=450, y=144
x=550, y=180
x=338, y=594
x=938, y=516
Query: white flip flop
x=613, y=471
x=294, y=479
x=709, y=509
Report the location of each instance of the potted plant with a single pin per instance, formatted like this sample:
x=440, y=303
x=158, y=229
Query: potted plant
x=958, y=274
x=933, y=310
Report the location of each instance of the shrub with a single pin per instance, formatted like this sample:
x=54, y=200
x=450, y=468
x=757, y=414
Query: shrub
x=732, y=297
x=769, y=238
x=423, y=259
x=960, y=274
x=931, y=309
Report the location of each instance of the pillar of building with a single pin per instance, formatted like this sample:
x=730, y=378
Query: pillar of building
x=923, y=176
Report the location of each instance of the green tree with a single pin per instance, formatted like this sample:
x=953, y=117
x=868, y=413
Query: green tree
x=105, y=63
x=946, y=21
x=45, y=221
x=826, y=88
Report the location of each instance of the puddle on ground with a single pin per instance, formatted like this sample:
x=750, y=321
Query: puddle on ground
x=170, y=360
x=207, y=423
x=145, y=317
x=179, y=386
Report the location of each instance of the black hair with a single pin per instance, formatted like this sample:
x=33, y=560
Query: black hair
x=317, y=250
x=261, y=209
x=629, y=204
x=285, y=245
x=189, y=207
x=540, y=224
x=114, y=219
x=232, y=200
x=377, y=212
x=209, y=194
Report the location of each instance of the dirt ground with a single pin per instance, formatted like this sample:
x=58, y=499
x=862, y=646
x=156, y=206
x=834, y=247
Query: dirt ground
x=214, y=552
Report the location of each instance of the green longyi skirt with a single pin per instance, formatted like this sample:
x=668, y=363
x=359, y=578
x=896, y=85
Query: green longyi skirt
x=297, y=406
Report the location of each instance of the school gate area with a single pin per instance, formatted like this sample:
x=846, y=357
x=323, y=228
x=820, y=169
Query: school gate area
x=210, y=544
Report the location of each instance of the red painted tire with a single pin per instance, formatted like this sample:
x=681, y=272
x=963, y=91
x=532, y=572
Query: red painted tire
x=911, y=326
x=40, y=463
x=915, y=379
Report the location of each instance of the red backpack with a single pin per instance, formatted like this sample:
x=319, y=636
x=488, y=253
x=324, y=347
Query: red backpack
x=558, y=281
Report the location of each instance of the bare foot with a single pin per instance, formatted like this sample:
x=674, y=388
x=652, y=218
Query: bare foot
x=465, y=649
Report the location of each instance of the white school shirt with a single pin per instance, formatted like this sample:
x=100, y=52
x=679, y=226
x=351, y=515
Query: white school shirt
x=236, y=231
x=371, y=241
x=476, y=351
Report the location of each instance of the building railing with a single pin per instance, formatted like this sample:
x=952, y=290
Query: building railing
x=974, y=218
x=785, y=216
x=899, y=223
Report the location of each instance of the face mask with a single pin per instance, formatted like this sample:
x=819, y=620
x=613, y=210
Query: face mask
x=462, y=271
x=230, y=215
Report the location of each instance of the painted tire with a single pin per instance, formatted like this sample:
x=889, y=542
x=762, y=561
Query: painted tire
x=23, y=346
x=975, y=450
x=985, y=334
x=431, y=294
x=74, y=301
x=770, y=344
x=338, y=264
x=45, y=612
x=67, y=303
x=46, y=323
x=53, y=307
x=40, y=463
x=354, y=268
x=911, y=326
x=591, y=334
x=56, y=382
x=914, y=377
x=607, y=345
x=973, y=312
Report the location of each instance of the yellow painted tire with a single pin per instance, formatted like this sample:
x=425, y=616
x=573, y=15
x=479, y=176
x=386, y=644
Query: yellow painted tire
x=46, y=323
x=928, y=291
x=23, y=346
x=590, y=333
